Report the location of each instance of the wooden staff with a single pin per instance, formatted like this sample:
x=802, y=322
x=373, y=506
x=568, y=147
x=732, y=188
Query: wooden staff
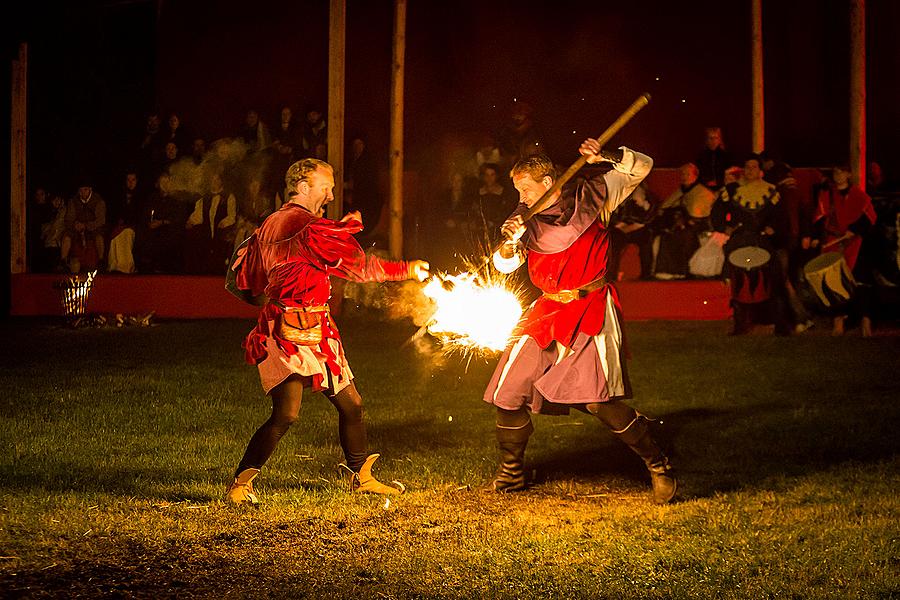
x=544, y=201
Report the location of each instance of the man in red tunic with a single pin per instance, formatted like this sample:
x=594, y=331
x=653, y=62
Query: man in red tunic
x=844, y=216
x=568, y=352
x=296, y=344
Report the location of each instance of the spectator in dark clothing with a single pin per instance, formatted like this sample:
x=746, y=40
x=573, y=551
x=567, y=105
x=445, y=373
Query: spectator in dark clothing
x=211, y=230
x=683, y=217
x=362, y=184
x=630, y=225
x=176, y=133
x=46, y=224
x=492, y=204
x=315, y=134
x=713, y=159
x=792, y=249
x=160, y=235
x=83, y=243
x=255, y=132
x=520, y=139
x=124, y=215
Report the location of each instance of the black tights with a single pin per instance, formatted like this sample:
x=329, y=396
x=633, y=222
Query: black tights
x=615, y=414
x=286, y=398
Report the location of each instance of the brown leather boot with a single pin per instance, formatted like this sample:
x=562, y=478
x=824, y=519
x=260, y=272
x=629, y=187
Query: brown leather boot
x=510, y=475
x=637, y=437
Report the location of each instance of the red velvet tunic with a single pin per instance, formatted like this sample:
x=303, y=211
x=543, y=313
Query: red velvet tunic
x=289, y=258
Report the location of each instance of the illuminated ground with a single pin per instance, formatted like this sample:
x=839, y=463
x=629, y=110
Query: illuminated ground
x=116, y=445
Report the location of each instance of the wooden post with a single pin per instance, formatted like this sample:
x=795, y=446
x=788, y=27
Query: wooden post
x=858, y=91
x=396, y=169
x=759, y=111
x=17, y=193
x=336, y=45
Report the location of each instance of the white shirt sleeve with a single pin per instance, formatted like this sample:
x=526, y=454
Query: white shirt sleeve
x=624, y=177
x=196, y=217
x=231, y=217
x=508, y=265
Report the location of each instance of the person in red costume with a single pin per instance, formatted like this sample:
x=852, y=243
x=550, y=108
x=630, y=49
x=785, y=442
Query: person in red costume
x=844, y=215
x=568, y=350
x=286, y=263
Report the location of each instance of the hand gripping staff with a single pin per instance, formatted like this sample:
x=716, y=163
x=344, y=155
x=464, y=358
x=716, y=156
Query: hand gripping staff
x=612, y=130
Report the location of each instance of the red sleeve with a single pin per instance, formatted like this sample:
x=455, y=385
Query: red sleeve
x=247, y=265
x=332, y=244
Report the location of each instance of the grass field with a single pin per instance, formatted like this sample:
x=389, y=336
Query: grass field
x=116, y=446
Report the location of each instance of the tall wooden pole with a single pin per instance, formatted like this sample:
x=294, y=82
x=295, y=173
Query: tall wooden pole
x=858, y=91
x=759, y=111
x=17, y=192
x=336, y=44
x=396, y=170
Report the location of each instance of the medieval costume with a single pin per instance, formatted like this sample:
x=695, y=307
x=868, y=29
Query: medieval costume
x=289, y=259
x=568, y=351
x=749, y=212
x=286, y=264
x=843, y=218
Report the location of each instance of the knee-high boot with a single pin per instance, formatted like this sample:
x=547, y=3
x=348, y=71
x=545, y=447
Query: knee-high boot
x=510, y=475
x=637, y=437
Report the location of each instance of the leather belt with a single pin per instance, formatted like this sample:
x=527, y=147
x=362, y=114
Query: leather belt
x=566, y=296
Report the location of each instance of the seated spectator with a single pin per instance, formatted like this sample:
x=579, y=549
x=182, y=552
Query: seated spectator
x=684, y=216
x=39, y=212
x=150, y=150
x=170, y=157
x=286, y=145
x=491, y=205
x=630, y=225
x=488, y=152
x=198, y=150
x=82, y=247
x=519, y=138
x=314, y=138
x=713, y=160
x=362, y=185
x=210, y=230
x=176, y=133
x=160, y=234
x=124, y=217
x=255, y=132
x=50, y=223
x=253, y=208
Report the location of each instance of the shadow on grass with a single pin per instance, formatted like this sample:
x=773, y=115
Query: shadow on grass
x=718, y=451
x=169, y=485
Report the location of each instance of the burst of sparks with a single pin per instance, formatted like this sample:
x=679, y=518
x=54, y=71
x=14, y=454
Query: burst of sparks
x=473, y=314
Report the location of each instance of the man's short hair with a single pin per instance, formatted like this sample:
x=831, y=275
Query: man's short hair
x=756, y=157
x=302, y=170
x=537, y=167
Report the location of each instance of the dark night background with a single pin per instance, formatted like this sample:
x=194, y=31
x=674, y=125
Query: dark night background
x=97, y=68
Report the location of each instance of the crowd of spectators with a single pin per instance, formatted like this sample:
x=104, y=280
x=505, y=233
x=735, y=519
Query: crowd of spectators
x=724, y=201
x=184, y=203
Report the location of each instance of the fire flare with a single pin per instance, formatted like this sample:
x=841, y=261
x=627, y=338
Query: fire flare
x=473, y=314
